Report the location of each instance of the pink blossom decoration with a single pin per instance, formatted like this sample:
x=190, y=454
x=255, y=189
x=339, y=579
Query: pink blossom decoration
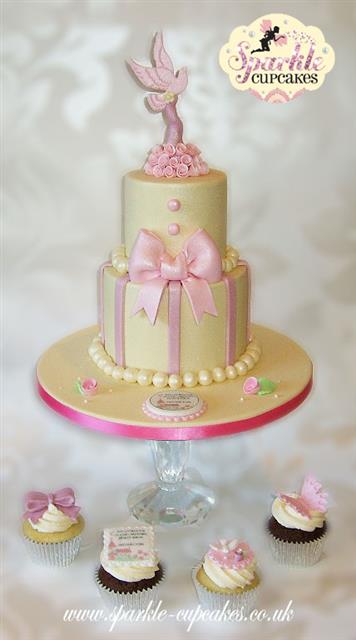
x=87, y=387
x=184, y=159
x=251, y=386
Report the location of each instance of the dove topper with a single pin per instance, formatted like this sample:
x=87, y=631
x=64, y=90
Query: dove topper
x=173, y=158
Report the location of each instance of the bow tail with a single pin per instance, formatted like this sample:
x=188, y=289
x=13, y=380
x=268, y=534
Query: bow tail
x=200, y=297
x=71, y=512
x=149, y=298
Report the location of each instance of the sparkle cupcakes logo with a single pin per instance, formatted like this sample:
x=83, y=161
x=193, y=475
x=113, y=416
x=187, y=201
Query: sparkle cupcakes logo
x=276, y=58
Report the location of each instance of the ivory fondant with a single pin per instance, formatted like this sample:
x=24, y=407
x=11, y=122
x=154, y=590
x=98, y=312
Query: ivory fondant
x=202, y=346
x=202, y=205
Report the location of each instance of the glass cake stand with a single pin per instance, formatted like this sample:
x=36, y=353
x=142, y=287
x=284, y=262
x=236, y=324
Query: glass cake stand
x=178, y=497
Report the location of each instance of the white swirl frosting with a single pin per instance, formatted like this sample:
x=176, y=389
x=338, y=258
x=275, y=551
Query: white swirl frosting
x=52, y=521
x=128, y=573
x=289, y=517
x=229, y=578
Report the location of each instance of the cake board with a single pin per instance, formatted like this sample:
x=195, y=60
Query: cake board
x=116, y=409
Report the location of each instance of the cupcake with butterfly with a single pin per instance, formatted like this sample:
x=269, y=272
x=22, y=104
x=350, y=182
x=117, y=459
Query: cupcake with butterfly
x=297, y=526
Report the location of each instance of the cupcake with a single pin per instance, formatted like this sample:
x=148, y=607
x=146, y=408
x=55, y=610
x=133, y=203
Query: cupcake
x=227, y=573
x=297, y=527
x=130, y=572
x=52, y=527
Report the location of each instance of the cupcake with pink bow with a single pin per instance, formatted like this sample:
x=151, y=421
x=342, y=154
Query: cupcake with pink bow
x=52, y=527
x=297, y=526
x=227, y=573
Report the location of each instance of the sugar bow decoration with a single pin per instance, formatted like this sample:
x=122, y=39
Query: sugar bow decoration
x=36, y=503
x=231, y=554
x=311, y=497
x=197, y=265
x=173, y=159
x=162, y=78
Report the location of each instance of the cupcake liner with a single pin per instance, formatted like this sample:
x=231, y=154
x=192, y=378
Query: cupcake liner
x=298, y=554
x=54, y=554
x=135, y=600
x=212, y=600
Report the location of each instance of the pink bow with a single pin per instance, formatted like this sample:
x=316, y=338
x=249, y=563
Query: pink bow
x=36, y=503
x=195, y=266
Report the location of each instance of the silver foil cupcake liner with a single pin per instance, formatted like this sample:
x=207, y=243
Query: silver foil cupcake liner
x=135, y=600
x=212, y=600
x=296, y=554
x=54, y=554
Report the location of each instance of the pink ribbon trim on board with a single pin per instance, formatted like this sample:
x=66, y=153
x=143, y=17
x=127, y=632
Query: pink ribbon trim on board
x=197, y=265
x=173, y=432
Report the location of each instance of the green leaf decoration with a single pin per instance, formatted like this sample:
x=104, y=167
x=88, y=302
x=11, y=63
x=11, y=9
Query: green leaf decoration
x=266, y=386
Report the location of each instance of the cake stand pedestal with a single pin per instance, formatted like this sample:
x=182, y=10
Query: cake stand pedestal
x=175, y=498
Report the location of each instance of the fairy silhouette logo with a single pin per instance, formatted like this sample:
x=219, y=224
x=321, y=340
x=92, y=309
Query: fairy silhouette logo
x=276, y=58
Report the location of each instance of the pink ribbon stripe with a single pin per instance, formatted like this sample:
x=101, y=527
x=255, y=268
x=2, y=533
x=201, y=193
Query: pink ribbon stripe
x=120, y=288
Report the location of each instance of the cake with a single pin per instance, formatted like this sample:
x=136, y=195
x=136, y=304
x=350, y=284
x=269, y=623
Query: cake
x=227, y=573
x=174, y=299
x=52, y=527
x=129, y=570
x=297, y=526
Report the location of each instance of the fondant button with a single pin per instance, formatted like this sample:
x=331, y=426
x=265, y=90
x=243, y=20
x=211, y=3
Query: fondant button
x=173, y=204
x=173, y=229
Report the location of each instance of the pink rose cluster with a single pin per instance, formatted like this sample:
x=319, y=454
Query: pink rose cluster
x=180, y=161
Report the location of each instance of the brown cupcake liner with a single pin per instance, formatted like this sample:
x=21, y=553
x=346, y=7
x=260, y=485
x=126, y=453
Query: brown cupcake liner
x=296, y=554
x=212, y=600
x=133, y=600
x=53, y=554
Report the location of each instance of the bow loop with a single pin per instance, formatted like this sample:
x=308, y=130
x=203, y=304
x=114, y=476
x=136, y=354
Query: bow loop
x=36, y=503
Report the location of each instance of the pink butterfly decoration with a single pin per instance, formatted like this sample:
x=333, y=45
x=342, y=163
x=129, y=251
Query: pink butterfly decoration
x=311, y=497
x=160, y=77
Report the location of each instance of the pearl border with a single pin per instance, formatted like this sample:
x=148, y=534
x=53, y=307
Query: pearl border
x=159, y=379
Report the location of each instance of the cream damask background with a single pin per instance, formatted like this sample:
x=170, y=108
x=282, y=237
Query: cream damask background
x=73, y=123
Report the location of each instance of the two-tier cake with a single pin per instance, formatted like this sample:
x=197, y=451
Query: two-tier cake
x=174, y=299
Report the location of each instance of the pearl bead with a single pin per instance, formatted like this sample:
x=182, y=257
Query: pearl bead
x=174, y=381
x=97, y=340
x=253, y=353
x=121, y=264
x=144, y=377
x=231, y=372
x=232, y=253
x=173, y=229
x=160, y=379
x=228, y=265
x=173, y=204
x=108, y=369
x=130, y=375
x=248, y=360
x=219, y=374
x=102, y=362
x=97, y=356
x=255, y=346
x=205, y=377
x=241, y=368
x=93, y=349
x=117, y=373
x=190, y=379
